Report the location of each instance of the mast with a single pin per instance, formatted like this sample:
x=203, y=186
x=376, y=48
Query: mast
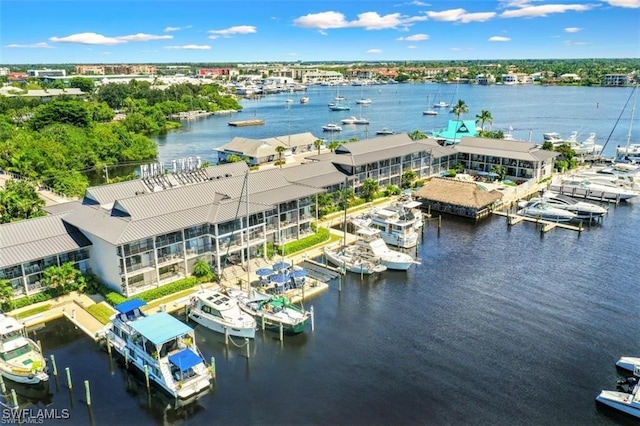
x=633, y=111
x=246, y=188
x=344, y=223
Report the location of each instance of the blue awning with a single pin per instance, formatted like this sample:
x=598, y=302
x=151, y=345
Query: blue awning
x=161, y=327
x=129, y=305
x=185, y=359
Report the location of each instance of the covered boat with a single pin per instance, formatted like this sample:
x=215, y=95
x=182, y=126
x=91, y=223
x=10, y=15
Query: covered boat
x=21, y=358
x=221, y=313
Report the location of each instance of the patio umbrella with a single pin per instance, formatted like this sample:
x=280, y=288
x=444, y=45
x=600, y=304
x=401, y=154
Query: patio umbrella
x=280, y=265
x=280, y=278
x=264, y=272
x=298, y=273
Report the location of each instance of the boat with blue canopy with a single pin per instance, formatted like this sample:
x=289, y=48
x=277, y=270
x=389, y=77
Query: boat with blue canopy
x=162, y=347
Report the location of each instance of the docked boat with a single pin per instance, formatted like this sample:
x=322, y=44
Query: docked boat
x=582, y=209
x=332, y=127
x=221, y=313
x=370, y=245
x=355, y=120
x=630, y=364
x=540, y=209
x=586, y=147
x=625, y=399
x=352, y=261
x=576, y=186
x=163, y=346
x=21, y=358
x=272, y=311
x=397, y=228
x=385, y=131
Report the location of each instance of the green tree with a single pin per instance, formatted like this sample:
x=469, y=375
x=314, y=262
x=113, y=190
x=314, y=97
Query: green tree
x=369, y=189
x=6, y=293
x=417, y=135
x=392, y=190
x=484, y=117
x=500, y=170
x=318, y=143
x=548, y=146
x=408, y=176
x=82, y=83
x=460, y=108
x=202, y=270
x=71, y=112
x=19, y=200
x=280, y=150
x=60, y=278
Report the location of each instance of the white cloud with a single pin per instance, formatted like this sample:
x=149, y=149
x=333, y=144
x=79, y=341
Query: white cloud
x=144, y=37
x=632, y=4
x=88, y=38
x=477, y=17
x=499, y=38
x=460, y=15
x=29, y=46
x=546, y=10
x=171, y=29
x=572, y=30
x=189, y=47
x=412, y=47
x=415, y=37
x=232, y=31
x=575, y=43
x=367, y=20
x=374, y=51
x=94, y=38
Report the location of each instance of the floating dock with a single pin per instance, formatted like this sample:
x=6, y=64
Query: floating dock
x=245, y=123
x=545, y=225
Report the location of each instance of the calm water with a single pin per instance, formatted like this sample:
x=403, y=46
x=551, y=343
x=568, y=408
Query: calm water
x=497, y=326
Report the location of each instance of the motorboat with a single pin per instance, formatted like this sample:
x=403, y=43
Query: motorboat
x=576, y=186
x=364, y=101
x=542, y=210
x=221, y=313
x=351, y=261
x=553, y=137
x=397, y=228
x=385, y=131
x=430, y=112
x=21, y=359
x=161, y=346
x=632, y=151
x=304, y=100
x=630, y=364
x=588, y=146
x=582, y=209
x=625, y=399
x=332, y=127
x=272, y=312
x=441, y=104
x=370, y=244
x=355, y=120
x=339, y=107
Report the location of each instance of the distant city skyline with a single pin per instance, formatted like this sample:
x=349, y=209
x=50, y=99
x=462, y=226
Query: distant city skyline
x=218, y=31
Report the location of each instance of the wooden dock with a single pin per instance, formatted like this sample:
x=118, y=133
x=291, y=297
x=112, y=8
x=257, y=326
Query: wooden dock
x=545, y=225
x=245, y=123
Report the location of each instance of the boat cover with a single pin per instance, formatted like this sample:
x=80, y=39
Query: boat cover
x=129, y=305
x=185, y=359
x=161, y=327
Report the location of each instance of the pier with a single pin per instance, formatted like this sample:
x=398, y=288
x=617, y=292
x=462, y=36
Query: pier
x=245, y=123
x=545, y=225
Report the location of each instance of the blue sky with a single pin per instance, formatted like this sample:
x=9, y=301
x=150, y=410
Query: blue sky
x=139, y=31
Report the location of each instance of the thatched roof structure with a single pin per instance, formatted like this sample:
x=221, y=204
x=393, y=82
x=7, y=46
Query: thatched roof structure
x=458, y=193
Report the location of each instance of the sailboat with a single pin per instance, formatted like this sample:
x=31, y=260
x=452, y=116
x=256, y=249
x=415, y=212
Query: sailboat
x=429, y=111
x=338, y=105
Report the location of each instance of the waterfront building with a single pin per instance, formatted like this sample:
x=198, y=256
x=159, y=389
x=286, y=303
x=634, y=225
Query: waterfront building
x=264, y=151
x=455, y=131
x=616, y=80
x=46, y=73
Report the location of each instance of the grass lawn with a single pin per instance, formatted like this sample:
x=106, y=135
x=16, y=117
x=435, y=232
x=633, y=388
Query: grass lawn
x=32, y=311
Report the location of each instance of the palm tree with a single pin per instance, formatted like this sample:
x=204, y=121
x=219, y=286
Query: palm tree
x=369, y=189
x=58, y=277
x=484, y=117
x=280, y=150
x=460, y=108
x=202, y=269
x=6, y=293
x=318, y=143
x=417, y=135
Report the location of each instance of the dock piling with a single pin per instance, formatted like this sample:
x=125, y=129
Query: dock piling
x=313, y=326
x=226, y=336
x=281, y=332
x=68, y=371
x=14, y=399
x=3, y=387
x=87, y=392
x=213, y=367
x=53, y=365
x=246, y=342
x=146, y=375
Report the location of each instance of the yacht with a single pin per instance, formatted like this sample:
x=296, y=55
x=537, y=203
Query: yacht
x=332, y=127
x=582, y=209
x=396, y=229
x=630, y=364
x=364, y=101
x=354, y=120
x=430, y=112
x=351, y=261
x=161, y=346
x=21, y=358
x=221, y=313
x=576, y=186
x=627, y=402
x=304, y=100
x=370, y=245
x=441, y=104
x=385, y=131
x=540, y=209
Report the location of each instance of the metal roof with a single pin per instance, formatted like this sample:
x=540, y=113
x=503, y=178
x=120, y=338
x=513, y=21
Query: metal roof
x=264, y=147
x=160, y=328
x=38, y=238
x=518, y=150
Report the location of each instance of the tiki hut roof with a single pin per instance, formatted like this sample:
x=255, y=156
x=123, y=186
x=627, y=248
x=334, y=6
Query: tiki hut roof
x=457, y=192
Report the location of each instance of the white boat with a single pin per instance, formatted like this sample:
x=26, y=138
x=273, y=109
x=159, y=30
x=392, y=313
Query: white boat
x=221, y=313
x=332, y=127
x=430, y=112
x=345, y=257
x=586, y=147
x=441, y=104
x=272, y=311
x=631, y=151
x=553, y=137
x=545, y=211
x=304, y=100
x=397, y=228
x=369, y=244
x=354, y=120
x=631, y=364
x=582, y=209
x=385, y=131
x=21, y=358
x=627, y=402
x=163, y=346
x=364, y=101
x=576, y=186
x=339, y=107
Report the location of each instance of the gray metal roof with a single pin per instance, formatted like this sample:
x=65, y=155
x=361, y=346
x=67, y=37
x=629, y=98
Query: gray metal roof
x=37, y=238
x=319, y=174
x=506, y=149
x=258, y=148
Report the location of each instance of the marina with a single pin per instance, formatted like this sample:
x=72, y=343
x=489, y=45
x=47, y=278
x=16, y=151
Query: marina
x=481, y=297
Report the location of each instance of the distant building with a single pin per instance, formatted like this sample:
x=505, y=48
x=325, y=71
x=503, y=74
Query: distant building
x=616, y=80
x=263, y=151
x=116, y=69
x=46, y=73
x=485, y=79
x=457, y=197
